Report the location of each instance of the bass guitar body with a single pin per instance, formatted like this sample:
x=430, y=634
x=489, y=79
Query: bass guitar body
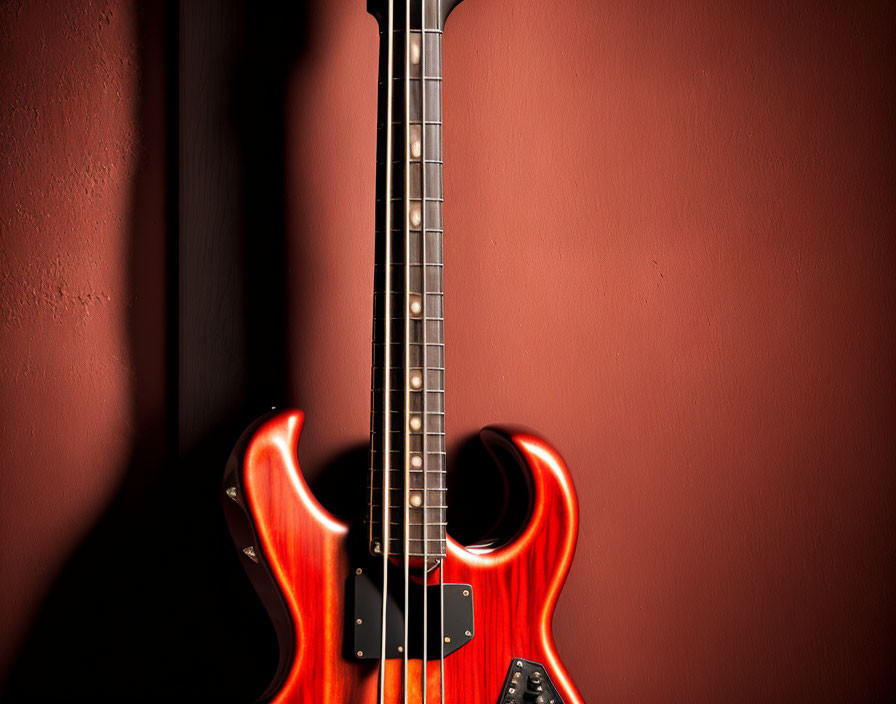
x=302, y=561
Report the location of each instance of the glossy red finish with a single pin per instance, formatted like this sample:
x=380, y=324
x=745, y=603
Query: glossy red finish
x=515, y=587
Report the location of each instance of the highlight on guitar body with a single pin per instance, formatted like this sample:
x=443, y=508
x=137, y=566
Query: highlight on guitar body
x=388, y=609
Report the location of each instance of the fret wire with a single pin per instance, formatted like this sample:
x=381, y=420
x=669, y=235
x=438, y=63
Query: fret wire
x=381, y=127
x=397, y=502
x=417, y=472
x=432, y=507
x=381, y=388
x=416, y=546
x=428, y=200
x=435, y=508
x=400, y=538
x=428, y=488
x=418, y=516
x=433, y=488
x=436, y=294
x=439, y=491
x=417, y=524
x=439, y=474
x=425, y=161
x=438, y=320
x=435, y=369
x=428, y=293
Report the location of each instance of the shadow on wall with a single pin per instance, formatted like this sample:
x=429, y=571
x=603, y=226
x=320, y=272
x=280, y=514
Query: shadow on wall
x=154, y=606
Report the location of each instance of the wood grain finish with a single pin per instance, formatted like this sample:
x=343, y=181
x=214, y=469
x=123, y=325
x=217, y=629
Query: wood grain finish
x=308, y=555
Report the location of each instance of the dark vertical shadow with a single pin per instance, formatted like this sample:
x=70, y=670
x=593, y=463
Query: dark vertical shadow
x=110, y=608
x=154, y=605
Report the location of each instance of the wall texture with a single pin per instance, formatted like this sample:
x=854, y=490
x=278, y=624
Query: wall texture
x=68, y=101
x=669, y=247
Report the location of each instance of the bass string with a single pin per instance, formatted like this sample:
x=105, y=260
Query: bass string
x=444, y=558
x=425, y=467
x=387, y=362
x=425, y=463
x=407, y=341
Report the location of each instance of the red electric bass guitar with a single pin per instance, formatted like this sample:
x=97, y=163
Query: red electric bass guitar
x=388, y=609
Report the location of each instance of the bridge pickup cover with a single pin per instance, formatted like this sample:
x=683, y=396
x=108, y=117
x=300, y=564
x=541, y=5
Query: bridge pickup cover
x=367, y=616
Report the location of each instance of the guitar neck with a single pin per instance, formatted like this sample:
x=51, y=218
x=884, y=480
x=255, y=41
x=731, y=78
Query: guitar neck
x=407, y=424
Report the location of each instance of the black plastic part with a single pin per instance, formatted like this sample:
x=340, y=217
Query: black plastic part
x=527, y=682
x=367, y=617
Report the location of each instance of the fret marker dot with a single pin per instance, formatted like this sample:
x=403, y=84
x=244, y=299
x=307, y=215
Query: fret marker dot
x=416, y=381
x=416, y=141
x=415, y=49
x=416, y=499
x=416, y=306
x=415, y=423
x=415, y=215
x=416, y=461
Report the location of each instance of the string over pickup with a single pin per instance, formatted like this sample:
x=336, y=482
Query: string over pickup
x=366, y=617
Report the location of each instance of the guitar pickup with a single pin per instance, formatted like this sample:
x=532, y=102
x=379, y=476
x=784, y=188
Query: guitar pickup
x=366, y=619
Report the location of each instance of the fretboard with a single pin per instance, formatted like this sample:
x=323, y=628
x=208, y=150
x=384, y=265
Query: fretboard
x=407, y=420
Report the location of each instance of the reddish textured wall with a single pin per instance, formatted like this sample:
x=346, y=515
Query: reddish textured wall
x=669, y=247
x=68, y=97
